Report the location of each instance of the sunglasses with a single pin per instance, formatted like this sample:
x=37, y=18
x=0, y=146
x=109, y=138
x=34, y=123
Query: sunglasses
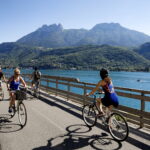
x=17, y=73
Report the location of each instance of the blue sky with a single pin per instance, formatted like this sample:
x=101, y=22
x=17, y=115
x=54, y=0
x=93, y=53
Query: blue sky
x=21, y=17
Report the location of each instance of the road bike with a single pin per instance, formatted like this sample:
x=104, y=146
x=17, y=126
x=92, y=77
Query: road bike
x=116, y=123
x=20, y=108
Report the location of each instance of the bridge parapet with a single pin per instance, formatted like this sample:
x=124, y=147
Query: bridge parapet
x=73, y=89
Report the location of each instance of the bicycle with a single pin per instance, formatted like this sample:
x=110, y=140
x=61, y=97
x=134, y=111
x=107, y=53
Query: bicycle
x=20, y=108
x=36, y=90
x=116, y=123
x=1, y=92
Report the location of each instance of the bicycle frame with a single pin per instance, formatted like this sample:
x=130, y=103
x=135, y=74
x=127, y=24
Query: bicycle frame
x=95, y=101
x=109, y=119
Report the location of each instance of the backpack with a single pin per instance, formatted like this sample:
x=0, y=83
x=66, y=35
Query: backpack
x=37, y=74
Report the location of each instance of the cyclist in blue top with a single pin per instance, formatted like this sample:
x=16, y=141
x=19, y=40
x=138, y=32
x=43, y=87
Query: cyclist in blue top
x=110, y=98
x=13, y=85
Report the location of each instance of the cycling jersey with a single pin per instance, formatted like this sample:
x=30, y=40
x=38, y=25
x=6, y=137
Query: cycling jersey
x=110, y=97
x=14, y=85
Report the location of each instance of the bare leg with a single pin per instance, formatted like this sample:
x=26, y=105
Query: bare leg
x=108, y=110
x=99, y=105
x=12, y=99
x=32, y=84
x=110, y=107
x=33, y=88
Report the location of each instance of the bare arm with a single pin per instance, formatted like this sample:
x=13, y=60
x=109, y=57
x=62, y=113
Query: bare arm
x=4, y=78
x=23, y=82
x=32, y=76
x=96, y=88
x=8, y=82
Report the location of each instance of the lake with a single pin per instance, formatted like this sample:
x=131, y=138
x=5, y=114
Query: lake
x=135, y=80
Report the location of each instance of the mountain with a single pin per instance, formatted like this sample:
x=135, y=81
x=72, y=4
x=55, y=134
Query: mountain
x=144, y=50
x=114, y=34
x=83, y=57
x=55, y=36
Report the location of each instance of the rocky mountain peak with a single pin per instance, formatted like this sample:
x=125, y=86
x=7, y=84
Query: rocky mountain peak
x=107, y=26
x=50, y=28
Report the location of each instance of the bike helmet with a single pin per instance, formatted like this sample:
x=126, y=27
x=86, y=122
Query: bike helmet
x=103, y=73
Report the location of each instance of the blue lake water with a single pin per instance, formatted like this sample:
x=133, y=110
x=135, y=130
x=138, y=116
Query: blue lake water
x=135, y=80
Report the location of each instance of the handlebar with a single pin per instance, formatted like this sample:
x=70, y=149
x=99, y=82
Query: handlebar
x=23, y=88
x=97, y=93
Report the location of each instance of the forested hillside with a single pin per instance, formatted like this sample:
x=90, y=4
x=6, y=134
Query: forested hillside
x=83, y=57
x=144, y=50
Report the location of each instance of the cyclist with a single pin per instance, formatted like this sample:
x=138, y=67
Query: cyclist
x=36, y=76
x=2, y=76
x=13, y=85
x=110, y=98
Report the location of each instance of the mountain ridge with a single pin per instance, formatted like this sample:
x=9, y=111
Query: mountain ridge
x=55, y=36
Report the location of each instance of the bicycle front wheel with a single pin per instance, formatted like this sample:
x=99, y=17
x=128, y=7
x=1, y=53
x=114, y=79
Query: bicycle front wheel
x=118, y=127
x=89, y=115
x=1, y=95
x=22, y=114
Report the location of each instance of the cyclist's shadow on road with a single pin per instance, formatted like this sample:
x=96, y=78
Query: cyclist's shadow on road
x=7, y=125
x=76, y=138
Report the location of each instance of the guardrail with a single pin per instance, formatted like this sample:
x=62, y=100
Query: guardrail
x=64, y=86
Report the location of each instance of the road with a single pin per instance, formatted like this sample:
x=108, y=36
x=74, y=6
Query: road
x=56, y=124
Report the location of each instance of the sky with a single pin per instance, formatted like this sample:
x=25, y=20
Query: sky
x=21, y=17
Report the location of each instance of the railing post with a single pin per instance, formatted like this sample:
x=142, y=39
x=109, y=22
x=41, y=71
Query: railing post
x=68, y=90
x=56, y=86
x=142, y=110
x=84, y=93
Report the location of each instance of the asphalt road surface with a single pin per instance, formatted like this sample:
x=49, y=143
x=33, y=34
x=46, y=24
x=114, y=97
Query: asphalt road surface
x=56, y=124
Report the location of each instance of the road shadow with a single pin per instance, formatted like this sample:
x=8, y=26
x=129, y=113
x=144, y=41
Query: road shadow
x=57, y=103
x=6, y=124
x=77, y=137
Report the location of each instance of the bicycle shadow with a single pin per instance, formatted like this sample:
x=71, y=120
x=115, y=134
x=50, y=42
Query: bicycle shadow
x=77, y=137
x=6, y=125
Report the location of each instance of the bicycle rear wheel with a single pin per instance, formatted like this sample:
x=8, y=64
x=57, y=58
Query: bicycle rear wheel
x=118, y=127
x=22, y=114
x=89, y=115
